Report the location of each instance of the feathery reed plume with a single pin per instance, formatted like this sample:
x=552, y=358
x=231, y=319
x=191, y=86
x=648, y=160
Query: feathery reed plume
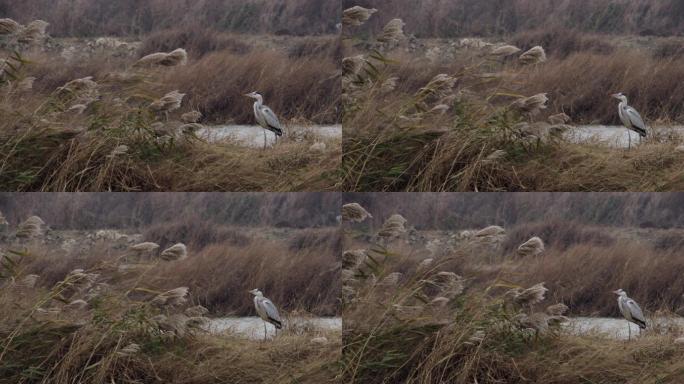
x=33, y=31
x=119, y=151
x=9, y=27
x=535, y=55
x=529, y=296
x=191, y=117
x=439, y=302
x=25, y=84
x=81, y=91
x=352, y=259
x=536, y=321
x=532, y=247
x=356, y=16
x=389, y=85
x=476, y=338
x=76, y=109
x=393, y=31
x=352, y=65
x=163, y=59
x=29, y=281
x=505, y=51
x=531, y=105
x=557, y=309
x=559, y=119
x=145, y=247
x=79, y=85
x=425, y=264
x=129, y=350
x=168, y=103
x=190, y=128
x=393, y=227
x=448, y=284
x=172, y=298
x=392, y=279
x=77, y=304
x=354, y=212
x=318, y=147
x=440, y=86
x=495, y=156
x=31, y=227
x=176, y=57
x=173, y=325
x=407, y=312
x=176, y=252
x=196, y=311
x=492, y=230
x=76, y=281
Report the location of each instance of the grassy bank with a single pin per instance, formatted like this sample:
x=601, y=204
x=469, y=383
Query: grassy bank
x=295, y=268
x=451, y=121
x=109, y=137
x=100, y=325
x=477, y=314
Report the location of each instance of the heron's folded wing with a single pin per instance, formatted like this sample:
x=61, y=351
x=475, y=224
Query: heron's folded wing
x=635, y=118
x=271, y=309
x=635, y=310
x=270, y=117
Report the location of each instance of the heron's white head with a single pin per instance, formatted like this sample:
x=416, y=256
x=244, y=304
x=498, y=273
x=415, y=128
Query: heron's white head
x=620, y=292
x=620, y=96
x=256, y=292
x=254, y=95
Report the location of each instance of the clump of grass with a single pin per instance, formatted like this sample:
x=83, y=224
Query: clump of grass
x=476, y=132
x=104, y=128
x=103, y=324
x=491, y=331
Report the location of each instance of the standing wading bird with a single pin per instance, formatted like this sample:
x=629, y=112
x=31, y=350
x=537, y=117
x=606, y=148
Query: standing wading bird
x=630, y=118
x=630, y=310
x=265, y=116
x=266, y=310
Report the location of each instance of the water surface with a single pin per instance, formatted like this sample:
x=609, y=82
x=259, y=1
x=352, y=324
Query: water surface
x=253, y=135
x=253, y=327
x=617, y=328
x=613, y=135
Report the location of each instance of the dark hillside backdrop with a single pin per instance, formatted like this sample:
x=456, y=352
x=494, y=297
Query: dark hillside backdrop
x=472, y=210
x=135, y=17
x=138, y=210
x=440, y=18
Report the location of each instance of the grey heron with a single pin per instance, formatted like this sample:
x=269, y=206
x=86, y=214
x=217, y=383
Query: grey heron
x=630, y=118
x=630, y=310
x=266, y=310
x=265, y=116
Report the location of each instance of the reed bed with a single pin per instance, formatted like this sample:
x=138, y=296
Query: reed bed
x=501, y=324
x=478, y=122
x=127, y=330
x=103, y=123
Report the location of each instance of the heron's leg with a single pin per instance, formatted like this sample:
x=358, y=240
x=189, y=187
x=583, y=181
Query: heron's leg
x=264, y=139
x=629, y=135
x=264, y=330
x=629, y=331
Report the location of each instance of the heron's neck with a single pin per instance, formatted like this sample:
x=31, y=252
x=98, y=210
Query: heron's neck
x=259, y=101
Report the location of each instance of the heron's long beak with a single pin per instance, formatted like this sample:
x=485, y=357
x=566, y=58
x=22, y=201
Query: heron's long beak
x=615, y=95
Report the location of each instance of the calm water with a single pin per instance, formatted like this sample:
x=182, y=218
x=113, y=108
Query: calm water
x=617, y=327
x=253, y=136
x=615, y=136
x=253, y=327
